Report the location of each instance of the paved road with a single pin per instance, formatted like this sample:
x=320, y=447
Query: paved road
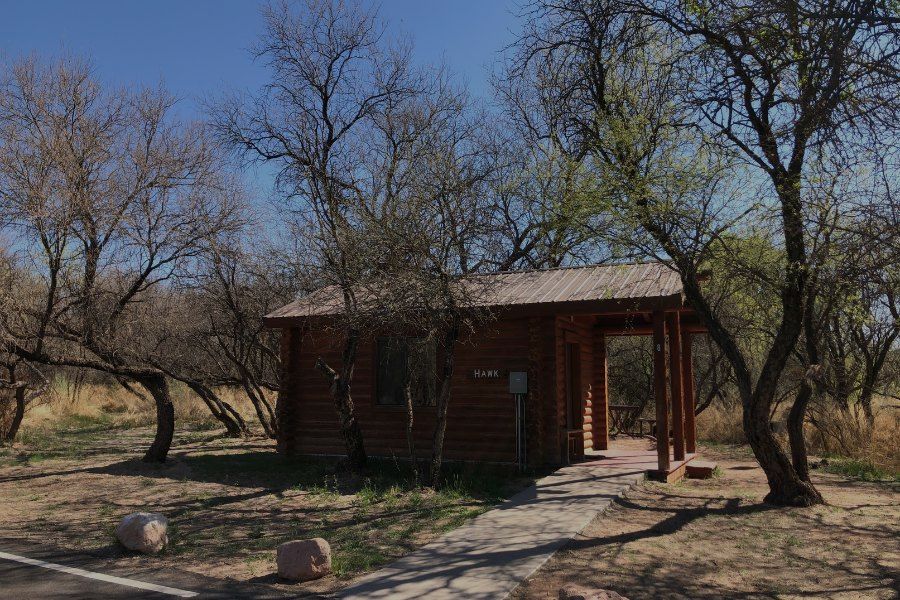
x=29, y=581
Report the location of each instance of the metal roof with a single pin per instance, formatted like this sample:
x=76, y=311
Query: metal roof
x=578, y=284
x=536, y=287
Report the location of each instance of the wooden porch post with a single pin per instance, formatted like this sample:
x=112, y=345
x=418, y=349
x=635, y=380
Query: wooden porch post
x=687, y=382
x=659, y=390
x=674, y=322
x=599, y=396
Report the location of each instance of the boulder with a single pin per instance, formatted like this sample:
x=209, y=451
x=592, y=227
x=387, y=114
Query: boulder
x=144, y=532
x=571, y=591
x=303, y=560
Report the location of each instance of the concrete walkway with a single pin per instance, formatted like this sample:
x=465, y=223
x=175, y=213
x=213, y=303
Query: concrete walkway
x=490, y=556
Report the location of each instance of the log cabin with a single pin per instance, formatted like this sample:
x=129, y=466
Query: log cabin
x=529, y=387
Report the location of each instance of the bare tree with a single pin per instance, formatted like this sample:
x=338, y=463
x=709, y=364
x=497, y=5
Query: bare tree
x=107, y=198
x=434, y=234
x=863, y=328
x=21, y=382
x=179, y=345
x=332, y=75
x=241, y=285
x=20, y=386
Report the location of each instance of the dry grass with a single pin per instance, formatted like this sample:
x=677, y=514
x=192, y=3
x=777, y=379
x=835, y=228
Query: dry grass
x=840, y=436
x=848, y=435
x=720, y=425
x=114, y=406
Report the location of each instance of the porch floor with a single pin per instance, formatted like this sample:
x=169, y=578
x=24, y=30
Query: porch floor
x=637, y=455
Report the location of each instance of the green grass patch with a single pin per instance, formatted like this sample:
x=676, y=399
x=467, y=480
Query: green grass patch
x=71, y=437
x=357, y=555
x=859, y=469
x=368, y=518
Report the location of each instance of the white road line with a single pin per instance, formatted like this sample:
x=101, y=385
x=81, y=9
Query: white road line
x=99, y=576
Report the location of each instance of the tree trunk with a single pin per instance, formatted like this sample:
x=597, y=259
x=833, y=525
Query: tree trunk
x=410, y=421
x=865, y=400
x=350, y=429
x=234, y=423
x=707, y=401
x=264, y=411
x=871, y=373
x=797, y=414
x=9, y=436
x=841, y=387
x=158, y=388
x=339, y=384
x=440, y=424
x=796, y=417
x=786, y=488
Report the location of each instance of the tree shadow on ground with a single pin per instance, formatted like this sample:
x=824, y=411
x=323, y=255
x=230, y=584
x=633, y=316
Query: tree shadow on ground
x=646, y=550
x=277, y=473
x=670, y=525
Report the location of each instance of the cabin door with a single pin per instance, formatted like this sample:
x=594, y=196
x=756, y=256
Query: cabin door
x=574, y=408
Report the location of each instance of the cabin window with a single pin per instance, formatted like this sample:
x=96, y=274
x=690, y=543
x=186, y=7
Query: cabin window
x=400, y=360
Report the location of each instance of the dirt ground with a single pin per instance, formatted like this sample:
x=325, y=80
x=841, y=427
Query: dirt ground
x=229, y=503
x=716, y=539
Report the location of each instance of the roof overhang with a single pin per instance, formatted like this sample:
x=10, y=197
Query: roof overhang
x=611, y=307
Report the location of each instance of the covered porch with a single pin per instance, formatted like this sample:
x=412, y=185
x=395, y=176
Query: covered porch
x=667, y=453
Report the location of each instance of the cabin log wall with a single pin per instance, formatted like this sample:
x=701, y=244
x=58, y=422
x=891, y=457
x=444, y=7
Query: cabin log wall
x=481, y=416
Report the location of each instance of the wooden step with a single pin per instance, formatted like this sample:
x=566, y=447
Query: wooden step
x=700, y=469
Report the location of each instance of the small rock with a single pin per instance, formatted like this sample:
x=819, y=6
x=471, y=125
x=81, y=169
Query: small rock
x=144, y=532
x=570, y=591
x=303, y=560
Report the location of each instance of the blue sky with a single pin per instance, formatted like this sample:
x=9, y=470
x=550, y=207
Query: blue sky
x=199, y=47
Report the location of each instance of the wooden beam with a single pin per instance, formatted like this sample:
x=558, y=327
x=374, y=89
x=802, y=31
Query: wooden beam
x=600, y=396
x=687, y=381
x=677, y=392
x=659, y=390
x=625, y=325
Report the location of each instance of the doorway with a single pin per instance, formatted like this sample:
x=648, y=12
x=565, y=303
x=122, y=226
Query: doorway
x=574, y=404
